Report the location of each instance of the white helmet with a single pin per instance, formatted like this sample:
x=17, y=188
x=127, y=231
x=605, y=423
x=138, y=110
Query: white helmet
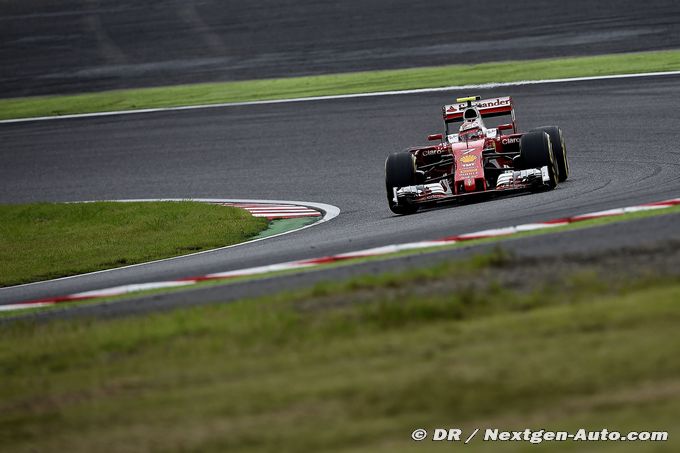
x=472, y=130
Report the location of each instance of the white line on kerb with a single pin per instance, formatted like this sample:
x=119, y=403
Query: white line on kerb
x=483, y=86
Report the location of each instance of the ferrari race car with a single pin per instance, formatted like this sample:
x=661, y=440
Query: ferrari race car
x=472, y=158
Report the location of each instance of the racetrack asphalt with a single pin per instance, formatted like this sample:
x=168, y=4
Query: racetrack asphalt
x=620, y=136
x=73, y=46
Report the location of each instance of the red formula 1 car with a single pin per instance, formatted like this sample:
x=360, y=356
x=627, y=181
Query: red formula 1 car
x=472, y=158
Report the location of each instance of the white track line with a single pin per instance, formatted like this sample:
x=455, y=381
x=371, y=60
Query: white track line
x=329, y=212
x=11, y=307
x=483, y=86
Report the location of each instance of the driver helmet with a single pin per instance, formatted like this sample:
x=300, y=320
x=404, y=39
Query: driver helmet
x=471, y=129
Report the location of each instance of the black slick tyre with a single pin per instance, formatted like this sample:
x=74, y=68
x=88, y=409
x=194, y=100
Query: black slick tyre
x=559, y=149
x=536, y=152
x=400, y=171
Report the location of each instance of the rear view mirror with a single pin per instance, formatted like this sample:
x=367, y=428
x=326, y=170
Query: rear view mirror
x=504, y=127
x=434, y=137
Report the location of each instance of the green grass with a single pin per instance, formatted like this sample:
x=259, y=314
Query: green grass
x=356, y=369
x=279, y=226
x=373, y=81
x=45, y=240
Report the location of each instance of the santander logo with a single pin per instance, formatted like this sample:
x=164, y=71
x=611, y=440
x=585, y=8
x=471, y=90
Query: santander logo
x=498, y=102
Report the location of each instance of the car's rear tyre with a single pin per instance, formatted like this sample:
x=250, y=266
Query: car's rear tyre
x=559, y=149
x=536, y=152
x=400, y=171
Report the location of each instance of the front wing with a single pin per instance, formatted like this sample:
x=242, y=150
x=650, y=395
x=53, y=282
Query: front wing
x=436, y=193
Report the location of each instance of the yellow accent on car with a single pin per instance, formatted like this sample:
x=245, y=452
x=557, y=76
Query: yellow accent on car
x=469, y=98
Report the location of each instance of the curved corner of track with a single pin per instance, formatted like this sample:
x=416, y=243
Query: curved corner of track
x=273, y=210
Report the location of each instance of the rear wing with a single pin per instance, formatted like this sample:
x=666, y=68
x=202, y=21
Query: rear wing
x=487, y=108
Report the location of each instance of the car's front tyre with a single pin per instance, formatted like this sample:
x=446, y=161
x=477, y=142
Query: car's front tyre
x=536, y=152
x=400, y=171
x=559, y=149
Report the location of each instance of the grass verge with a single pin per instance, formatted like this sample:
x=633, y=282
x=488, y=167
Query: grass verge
x=279, y=226
x=359, y=82
x=359, y=367
x=49, y=240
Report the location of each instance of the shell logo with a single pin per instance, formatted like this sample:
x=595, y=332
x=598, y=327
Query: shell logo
x=469, y=158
